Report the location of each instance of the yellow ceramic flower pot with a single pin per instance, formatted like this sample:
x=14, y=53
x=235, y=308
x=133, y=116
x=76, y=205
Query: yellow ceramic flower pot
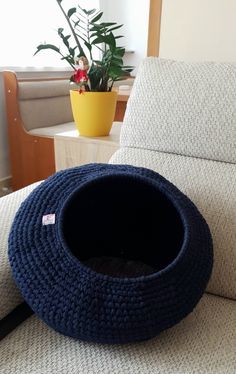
x=93, y=112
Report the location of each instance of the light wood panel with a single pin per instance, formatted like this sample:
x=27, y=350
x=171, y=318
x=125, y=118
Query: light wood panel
x=73, y=150
x=154, y=28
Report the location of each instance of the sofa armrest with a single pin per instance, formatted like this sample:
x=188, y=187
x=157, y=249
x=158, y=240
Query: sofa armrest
x=10, y=296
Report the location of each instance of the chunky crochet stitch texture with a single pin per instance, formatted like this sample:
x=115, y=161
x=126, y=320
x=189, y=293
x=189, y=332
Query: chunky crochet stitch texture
x=128, y=256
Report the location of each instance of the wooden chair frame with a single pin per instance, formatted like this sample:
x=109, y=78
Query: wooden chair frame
x=154, y=27
x=31, y=157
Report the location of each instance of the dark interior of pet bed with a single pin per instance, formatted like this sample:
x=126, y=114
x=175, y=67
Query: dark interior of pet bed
x=122, y=226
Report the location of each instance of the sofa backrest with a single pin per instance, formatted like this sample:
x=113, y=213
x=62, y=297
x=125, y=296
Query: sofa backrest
x=182, y=116
x=193, y=107
x=44, y=103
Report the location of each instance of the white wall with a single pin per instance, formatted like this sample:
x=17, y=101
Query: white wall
x=197, y=30
x=38, y=23
x=133, y=15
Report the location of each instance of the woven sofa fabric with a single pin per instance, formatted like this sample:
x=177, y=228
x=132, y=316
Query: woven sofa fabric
x=184, y=108
x=10, y=295
x=49, y=261
x=203, y=343
x=211, y=185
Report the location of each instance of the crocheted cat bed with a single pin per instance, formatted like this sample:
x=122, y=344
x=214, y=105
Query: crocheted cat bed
x=110, y=253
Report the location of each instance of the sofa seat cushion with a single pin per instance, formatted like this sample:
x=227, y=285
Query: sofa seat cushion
x=10, y=295
x=203, y=343
x=51, y=131
x=211, y=185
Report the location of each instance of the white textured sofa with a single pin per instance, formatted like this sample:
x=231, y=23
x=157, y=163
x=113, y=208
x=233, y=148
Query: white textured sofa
x=180, y=121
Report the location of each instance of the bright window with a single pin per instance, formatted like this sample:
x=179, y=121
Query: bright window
x=25, y=24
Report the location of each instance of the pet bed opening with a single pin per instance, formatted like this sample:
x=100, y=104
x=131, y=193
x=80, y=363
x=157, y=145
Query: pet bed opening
x=122, y=226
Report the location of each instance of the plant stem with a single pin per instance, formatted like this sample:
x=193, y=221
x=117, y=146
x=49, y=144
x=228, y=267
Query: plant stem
x=73, y=67
x=100, y=49
x=81, y=51
x=88, y=37
x=104, y=30
x=110, y=89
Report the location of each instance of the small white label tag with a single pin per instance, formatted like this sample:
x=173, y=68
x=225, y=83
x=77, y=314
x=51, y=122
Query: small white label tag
x=49, y=219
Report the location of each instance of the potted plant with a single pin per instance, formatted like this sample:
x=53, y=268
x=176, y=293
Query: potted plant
x=93, y=101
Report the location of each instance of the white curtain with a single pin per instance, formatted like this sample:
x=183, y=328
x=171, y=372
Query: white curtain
x=25, y=24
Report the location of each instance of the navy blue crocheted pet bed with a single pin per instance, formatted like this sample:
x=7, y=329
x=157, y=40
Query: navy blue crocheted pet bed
x=110, y=253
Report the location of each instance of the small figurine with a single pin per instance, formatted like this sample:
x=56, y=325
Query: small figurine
x=80, y=77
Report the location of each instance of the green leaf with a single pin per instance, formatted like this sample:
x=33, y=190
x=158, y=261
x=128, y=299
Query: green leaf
x=80, y=16
x=70, y=12
x=98, y=40
x=129, y=70
x=64, y=38
x=93, y=35
x=115, y=28
x=72, y=52
x=83, y=10
x=47, y=46
x=126, y=67
x=97, y=18
x=81, y=27
x=107, y=24
x=96, y=27
x=111, y=41
x=126, y=72
x=117, y=70
x=95, y=76
x=81, y=37
x=117, y=61
x=68, y=59
x=90, y=12
x=107, y=56
x=88, y=45
x=119, y=52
